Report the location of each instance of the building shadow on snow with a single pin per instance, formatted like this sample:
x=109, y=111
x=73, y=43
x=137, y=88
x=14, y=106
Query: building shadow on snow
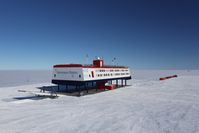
x=71, y=90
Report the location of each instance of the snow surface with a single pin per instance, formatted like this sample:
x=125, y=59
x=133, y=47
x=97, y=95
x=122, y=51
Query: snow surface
x=148, y=106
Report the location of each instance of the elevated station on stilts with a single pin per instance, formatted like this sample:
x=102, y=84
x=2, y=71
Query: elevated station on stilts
x=97, y=75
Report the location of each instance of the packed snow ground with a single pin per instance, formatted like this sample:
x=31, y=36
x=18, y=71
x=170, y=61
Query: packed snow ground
x=148, y=106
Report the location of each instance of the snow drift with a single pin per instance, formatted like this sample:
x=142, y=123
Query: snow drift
x=148, y=106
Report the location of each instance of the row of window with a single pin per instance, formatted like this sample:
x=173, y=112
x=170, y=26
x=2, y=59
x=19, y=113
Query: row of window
x=116, y=74
x=116, y=70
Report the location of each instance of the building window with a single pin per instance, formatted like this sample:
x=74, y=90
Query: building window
x=54, y=75
x=80, y=75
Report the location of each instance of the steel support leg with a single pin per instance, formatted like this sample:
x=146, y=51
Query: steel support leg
x=58, y=87
x=86, y=87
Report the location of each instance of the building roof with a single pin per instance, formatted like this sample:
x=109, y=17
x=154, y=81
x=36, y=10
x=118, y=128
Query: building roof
x=86, y=66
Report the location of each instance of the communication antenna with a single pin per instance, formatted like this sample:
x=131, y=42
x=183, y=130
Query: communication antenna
x=87, y=57
x=113, y=61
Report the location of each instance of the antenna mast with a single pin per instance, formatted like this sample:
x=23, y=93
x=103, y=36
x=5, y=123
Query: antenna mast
x=87, y=57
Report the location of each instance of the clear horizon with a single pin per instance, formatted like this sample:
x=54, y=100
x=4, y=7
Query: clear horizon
x=37, y=34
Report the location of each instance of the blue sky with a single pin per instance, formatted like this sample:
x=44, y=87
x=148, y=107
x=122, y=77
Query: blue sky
x=143, y=34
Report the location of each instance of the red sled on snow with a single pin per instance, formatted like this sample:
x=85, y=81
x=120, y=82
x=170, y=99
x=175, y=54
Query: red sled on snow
x=164, y=78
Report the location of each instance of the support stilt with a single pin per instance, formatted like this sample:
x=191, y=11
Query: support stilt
x=58, y=88
x=86, y=87
x=96, y=88
x=66, y=89
x=79, y=90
